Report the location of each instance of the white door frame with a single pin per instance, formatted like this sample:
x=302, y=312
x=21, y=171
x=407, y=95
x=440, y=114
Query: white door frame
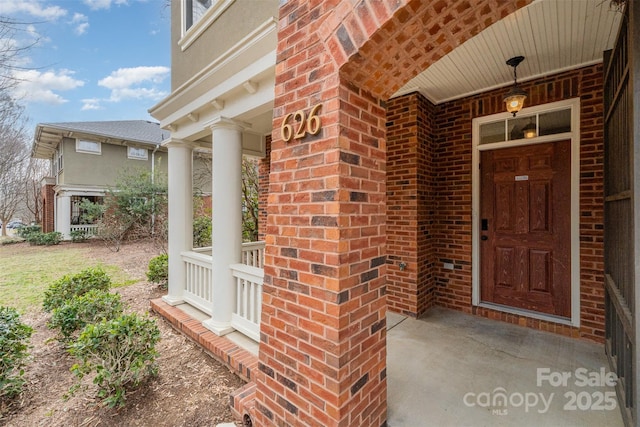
x=574, y=137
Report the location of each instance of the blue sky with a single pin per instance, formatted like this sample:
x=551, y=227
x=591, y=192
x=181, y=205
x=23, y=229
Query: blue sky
x=94, y=59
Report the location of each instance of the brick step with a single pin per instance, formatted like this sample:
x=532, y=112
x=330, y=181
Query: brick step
x=243, y=403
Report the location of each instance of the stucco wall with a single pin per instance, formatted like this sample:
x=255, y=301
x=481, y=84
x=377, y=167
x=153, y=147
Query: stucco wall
x=234, y=24
x=102, y=169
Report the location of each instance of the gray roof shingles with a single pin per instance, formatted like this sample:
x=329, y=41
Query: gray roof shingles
x=130, y=130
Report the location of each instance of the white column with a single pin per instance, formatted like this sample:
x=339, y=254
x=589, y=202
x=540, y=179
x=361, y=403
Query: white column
x=63, y=215
x=226, y=220
x=180, y=215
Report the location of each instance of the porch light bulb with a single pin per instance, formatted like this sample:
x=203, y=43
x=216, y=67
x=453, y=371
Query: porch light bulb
x=514, y=100
x=530, y=130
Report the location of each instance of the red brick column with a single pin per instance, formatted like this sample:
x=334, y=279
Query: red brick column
x=323, y=348
x=323, y=329
x=48, y=207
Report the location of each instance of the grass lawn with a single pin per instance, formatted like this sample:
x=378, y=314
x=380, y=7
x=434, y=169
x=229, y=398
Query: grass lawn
x=26, y=271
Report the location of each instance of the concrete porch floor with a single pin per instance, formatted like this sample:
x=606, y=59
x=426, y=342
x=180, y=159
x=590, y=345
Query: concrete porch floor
x=445, y=368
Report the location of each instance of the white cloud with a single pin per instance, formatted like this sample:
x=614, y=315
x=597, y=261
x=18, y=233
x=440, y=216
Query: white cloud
x=103, y=4
x=91, y=104
x=135, y=83
x=41, y=87
x=31, y=7
x=81, y=22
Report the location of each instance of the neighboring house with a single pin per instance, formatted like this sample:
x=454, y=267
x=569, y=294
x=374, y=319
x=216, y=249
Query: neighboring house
x=395, y=179
x=87, y=159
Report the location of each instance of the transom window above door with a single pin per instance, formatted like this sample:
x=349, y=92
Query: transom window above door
x=526, y=126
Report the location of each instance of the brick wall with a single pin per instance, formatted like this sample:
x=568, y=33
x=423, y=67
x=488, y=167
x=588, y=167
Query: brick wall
x=448, y=224
x=410, y=204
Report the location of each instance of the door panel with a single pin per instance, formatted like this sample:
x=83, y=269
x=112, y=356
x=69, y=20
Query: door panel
x=526, y=249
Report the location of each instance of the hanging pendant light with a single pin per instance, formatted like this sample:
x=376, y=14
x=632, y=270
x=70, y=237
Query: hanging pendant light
x=514, y=99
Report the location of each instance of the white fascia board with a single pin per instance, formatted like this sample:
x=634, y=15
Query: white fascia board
x=262, y=66
x=241, y=107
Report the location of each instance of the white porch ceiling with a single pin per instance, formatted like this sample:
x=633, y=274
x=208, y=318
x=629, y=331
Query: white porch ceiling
x=552, y=35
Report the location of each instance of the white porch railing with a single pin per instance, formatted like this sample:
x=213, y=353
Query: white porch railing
x=253, y=254
x=246, y=315
x=198, y=289
x=248, y=276
x=87, y=229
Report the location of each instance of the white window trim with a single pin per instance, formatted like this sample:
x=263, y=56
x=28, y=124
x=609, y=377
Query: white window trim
x=59, y=160
x=82, y=150
x=574, y=136
x=132, y=157
x=217, y=8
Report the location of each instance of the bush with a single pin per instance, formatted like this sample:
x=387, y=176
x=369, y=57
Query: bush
x=121, y=352
x=44, y=239
x=78, y=236
x=159, y=270
x=28, y=230
x=14, y=339
x=62, y=290
x=202, y=231
x=94, y=306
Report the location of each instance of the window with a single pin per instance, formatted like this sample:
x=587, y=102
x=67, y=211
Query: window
x=137, y=153
x=541, y=124
x=197, y=16
x=91, y=147
x=194, y=10
x=57, y=161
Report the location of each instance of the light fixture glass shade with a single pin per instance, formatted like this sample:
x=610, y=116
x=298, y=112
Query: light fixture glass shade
x=514, y=100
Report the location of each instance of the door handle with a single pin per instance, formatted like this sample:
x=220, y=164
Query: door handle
x=484, y=238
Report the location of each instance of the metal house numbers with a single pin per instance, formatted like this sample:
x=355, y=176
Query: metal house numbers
x=302, y=124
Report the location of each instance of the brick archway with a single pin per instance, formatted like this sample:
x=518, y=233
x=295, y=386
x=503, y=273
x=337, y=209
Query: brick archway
x=323, y=335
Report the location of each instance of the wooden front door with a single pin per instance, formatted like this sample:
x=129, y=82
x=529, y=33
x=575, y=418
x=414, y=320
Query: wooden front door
x=525, y=227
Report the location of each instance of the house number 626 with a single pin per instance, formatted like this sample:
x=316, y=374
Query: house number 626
x=302, y=124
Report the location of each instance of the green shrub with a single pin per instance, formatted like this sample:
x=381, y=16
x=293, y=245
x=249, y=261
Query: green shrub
x=202, y=231
x=28, y=230
x=78, y=236
x=92, y=307
x=121, y=352
x=14, y=339
x=62, y=290
x=44, y=239
x=159, y=270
